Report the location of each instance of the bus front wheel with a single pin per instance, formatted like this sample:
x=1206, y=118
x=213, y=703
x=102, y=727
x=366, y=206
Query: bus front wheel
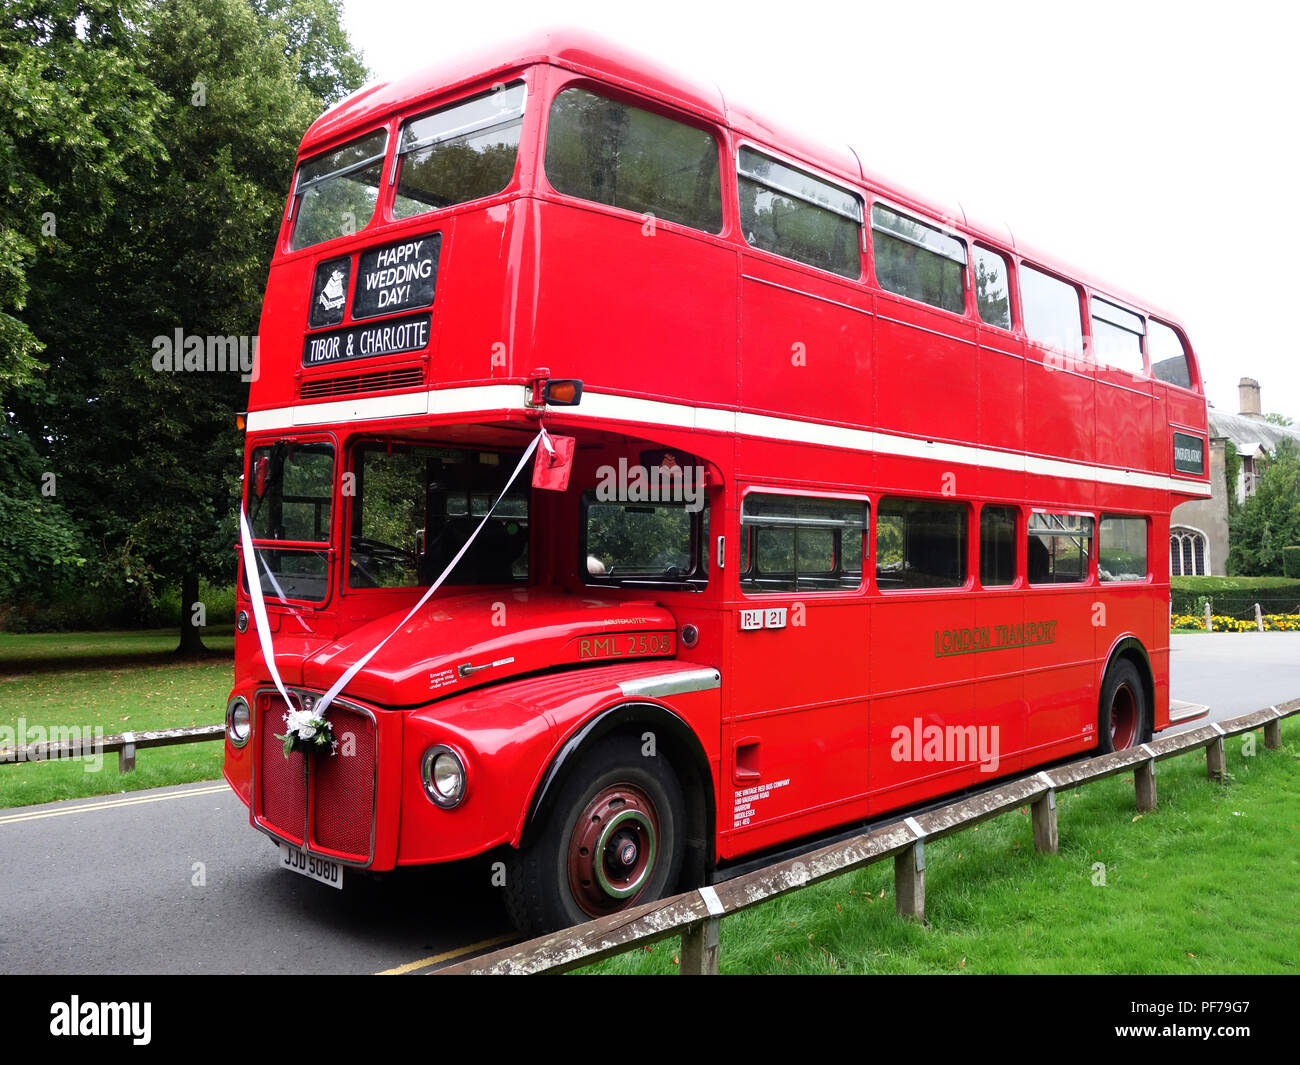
x=1122, y=721
x=614, y=840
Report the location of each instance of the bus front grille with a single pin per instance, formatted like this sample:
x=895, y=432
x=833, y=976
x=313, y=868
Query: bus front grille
x=281, y=786
x=324, y=801
x=343, y=788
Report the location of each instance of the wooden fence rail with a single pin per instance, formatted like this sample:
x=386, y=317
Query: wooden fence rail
x=125, y=745
x=695, y=915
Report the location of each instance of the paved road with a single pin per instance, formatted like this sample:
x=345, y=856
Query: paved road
x=108, y=885
x=1234, y=672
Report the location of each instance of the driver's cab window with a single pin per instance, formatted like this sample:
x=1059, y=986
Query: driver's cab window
x=646, y=523
x=415, y=506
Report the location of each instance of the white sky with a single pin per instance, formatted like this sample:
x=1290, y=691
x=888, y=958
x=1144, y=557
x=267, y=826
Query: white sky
x=1153, y=145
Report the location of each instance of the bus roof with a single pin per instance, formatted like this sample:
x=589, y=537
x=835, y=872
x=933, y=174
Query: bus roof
x=600, y=58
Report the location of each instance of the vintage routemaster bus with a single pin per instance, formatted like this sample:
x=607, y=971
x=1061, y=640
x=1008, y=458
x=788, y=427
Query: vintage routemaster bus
x=634, y=489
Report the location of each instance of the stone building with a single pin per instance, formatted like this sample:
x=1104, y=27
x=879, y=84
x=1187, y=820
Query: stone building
x=1198, y=530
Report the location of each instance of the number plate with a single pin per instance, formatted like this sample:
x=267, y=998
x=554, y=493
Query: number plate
x=312, y=866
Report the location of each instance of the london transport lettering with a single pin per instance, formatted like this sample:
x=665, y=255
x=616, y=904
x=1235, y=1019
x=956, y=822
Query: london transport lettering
x=993, y=638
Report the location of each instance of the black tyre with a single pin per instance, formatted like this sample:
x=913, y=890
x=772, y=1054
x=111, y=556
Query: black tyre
x=614, y=839
x=1124, y=718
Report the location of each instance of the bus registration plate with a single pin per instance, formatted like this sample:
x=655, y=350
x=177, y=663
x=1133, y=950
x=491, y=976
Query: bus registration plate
x=311, y=865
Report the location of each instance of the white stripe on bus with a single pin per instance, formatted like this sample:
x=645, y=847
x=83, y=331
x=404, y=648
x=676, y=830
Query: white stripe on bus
x=484, y=399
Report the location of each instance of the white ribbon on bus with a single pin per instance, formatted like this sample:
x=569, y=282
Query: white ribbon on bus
x=259, y=603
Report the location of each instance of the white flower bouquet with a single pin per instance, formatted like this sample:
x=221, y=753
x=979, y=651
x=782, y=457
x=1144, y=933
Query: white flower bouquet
x=307, y=734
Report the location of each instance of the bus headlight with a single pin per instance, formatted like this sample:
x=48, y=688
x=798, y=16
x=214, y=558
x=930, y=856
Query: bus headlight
x=239, y=722
x=444, y=776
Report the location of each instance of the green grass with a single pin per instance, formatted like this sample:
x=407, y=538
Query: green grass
x=117, y=681
x=1205, y=883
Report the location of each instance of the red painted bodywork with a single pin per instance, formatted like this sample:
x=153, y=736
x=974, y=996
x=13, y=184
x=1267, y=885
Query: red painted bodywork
x=684, y=340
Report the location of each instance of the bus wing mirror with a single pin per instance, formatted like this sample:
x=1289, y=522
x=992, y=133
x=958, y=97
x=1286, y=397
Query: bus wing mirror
x=552, y=468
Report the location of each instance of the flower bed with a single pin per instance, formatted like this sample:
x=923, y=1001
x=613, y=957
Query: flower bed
x=1222, y=623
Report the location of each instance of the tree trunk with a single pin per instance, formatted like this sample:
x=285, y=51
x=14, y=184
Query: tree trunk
x=191, y=634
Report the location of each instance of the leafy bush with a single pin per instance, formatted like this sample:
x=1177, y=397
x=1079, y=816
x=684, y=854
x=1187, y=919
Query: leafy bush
x=1236, y=596
x=1291, y=561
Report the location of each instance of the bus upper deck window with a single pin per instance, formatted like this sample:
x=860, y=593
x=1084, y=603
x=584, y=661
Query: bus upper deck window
x=459, y=153
x=1168, y=357
x=918, y=261
x=791, y=213
x=1117, y=336
x=336, y=192
x=609, y=152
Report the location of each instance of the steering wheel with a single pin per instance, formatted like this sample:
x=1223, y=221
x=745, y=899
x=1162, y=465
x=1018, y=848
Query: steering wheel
x=381, y=553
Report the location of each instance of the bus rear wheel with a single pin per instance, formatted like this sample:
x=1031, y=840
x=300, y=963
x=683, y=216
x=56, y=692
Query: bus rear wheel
x=1122, y=722
x=614, y=839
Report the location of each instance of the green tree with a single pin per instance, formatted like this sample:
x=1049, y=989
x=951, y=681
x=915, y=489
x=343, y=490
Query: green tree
x=150, y=459
x=77, y=129
x=1269, y=520
x=1278, y=419
x=1231, y=471
x=37, y=539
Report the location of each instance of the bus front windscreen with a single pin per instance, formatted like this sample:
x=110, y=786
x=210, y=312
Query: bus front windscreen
x=416, y=506
x=290, y=491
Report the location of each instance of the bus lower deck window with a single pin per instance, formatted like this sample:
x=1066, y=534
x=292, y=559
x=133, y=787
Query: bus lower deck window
x=1060, y=546
x=920, y=543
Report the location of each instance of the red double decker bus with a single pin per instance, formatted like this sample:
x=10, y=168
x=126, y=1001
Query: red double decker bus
x=635, y=489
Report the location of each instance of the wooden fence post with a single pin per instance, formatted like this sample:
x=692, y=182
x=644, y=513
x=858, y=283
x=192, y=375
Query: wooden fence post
x=1144, y=783
x=909, y=876
x=1273, y=732
x=1215, y=757
x=126, y=756
x=700, y=948
x=1044, y=816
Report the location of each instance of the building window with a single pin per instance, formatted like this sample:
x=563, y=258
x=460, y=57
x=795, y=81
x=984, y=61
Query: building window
x=1187, y=553
x=1247, y=477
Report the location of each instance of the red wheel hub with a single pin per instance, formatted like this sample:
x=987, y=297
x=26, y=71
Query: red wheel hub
x=1123, y=718
x=613, y=849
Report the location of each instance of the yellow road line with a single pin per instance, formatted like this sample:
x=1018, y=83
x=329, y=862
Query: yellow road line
x=446, y=956
x=139, y=800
